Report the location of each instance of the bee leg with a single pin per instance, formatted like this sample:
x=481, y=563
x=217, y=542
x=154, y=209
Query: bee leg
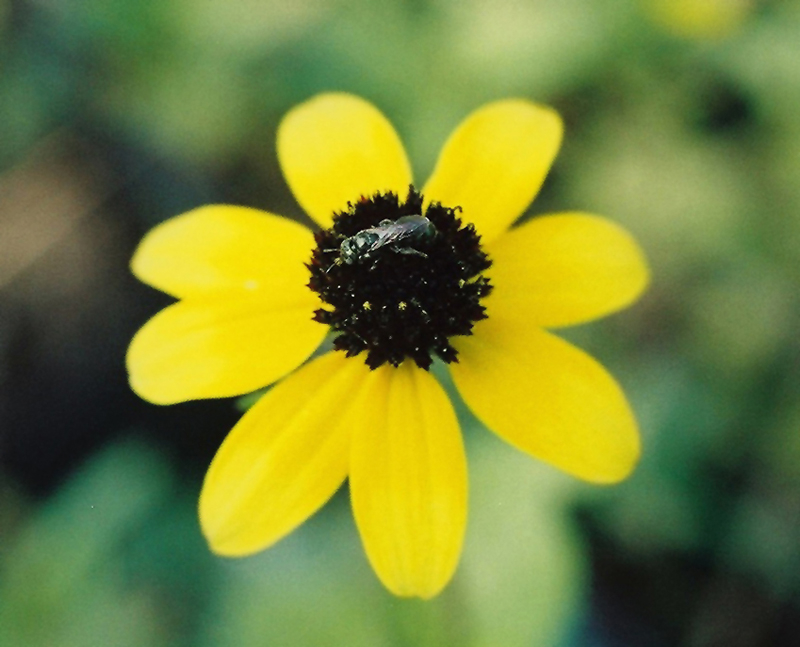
x=409, y=250
x=338, y=261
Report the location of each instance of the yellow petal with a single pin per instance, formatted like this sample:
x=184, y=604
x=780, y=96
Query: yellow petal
x=284, y=459
x=565, y=269
x=408, y=481
x=223, y=248
x=494, y=163
x=547, y=398
x=220, y=347
x=335, y=148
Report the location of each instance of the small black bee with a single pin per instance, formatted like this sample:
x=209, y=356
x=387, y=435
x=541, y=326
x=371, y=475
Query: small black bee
x=396, y=235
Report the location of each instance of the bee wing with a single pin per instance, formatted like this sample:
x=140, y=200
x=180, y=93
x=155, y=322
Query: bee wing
x=392, y=234
x=402, y=229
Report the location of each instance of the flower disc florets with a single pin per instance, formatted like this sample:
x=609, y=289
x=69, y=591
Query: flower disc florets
x=399, y=281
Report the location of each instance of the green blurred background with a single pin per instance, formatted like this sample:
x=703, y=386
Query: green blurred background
x=682, y=124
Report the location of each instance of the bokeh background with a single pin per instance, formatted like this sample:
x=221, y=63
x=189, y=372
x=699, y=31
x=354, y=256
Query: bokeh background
x=682, y=123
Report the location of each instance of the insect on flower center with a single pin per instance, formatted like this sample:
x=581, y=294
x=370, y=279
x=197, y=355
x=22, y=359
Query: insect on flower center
x=398, y=281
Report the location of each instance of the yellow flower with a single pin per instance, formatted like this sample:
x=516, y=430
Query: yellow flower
x=701, y=19
x=398, y=280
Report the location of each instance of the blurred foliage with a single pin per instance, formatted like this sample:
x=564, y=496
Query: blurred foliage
x=681, y=124
x=115, y=559
x=63, y=580
x=701, y=18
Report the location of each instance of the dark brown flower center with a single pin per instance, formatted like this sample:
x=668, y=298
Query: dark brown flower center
x=399, y=282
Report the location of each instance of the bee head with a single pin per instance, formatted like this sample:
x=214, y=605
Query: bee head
x=357, y=247
x=348, y=252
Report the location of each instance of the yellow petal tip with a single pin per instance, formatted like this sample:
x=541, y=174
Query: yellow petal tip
x=336, y=147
